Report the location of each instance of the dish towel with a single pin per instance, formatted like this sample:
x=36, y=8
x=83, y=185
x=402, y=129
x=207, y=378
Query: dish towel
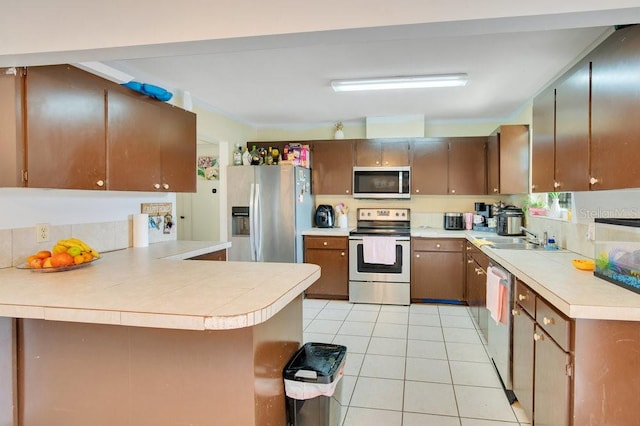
x=380, y=250
x=497, y=294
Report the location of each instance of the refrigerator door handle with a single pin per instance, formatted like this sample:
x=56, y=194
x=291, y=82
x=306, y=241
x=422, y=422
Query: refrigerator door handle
x=258, y=225
x=252, y=218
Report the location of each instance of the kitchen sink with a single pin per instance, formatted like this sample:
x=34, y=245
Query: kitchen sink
x=517, y=246
x=504, y=240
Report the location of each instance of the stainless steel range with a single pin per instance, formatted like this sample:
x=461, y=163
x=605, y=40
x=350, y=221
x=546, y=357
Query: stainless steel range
x=379, y=257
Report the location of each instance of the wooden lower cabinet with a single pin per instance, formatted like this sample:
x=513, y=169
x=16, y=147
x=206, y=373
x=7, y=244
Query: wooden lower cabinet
x=552, y=383
x=332, y=255
x=437, y=270
x=523, y=353
x=542, y=368
x=220, y=255
x=476, y=287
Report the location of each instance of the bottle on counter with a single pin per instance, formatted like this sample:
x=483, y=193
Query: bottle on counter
x=268, y=157
x=246, y=157
x=255, y=156
x=237, y=156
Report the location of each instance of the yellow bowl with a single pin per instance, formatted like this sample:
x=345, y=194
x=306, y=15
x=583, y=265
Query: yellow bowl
x=584, y=264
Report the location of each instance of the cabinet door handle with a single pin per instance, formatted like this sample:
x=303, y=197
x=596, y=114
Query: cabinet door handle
x=165, y=185
x=522, y=297
x=347, y=191
x=417, y=255
x=156, y=186
x=593, y=181
x=515, y=312
x=453, y=191
x=469, y=260
x=468, y=247
x=342, y=254
x=556, y=184
x=495, y=190
x=533, y=187
x=437, y=245
x=324, y=243
x=537, y=337
x=417, y=191
x=100, y=183
x=547, y=321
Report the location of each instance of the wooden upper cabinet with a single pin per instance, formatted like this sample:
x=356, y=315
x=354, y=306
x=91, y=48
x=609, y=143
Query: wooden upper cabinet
x=493, y=163
x=378, y=152
x=615, y=108
x=543, y=142
x=467, y=166
x=178, y=155
x=331, y=167
x=572, y=131
x=12, y=157
x=430, y=166
x=508, y=160
x=65, y=128
x=151, y=145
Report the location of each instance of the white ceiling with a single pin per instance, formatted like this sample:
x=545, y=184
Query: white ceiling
x=263, y=71
x=285, y=81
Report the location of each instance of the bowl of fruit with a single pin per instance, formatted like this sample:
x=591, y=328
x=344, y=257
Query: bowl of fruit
x=65, y=255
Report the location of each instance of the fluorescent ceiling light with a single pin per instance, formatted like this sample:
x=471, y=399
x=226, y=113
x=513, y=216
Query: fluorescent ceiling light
x=105, y=71
x=412, y=82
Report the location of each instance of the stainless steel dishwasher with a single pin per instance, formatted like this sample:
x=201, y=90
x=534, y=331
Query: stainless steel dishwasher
x=499, y=334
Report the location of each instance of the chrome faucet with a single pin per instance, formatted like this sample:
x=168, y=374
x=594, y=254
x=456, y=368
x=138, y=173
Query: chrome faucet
x=535, y=236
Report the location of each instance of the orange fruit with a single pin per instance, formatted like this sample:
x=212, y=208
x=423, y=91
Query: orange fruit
x=46, y=263
x=43, y=254
x=30, y=258
x=61, y=259
x=78, y=259
x=35, y=263
x=87, y=256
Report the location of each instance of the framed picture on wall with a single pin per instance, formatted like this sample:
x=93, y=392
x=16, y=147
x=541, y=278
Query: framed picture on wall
x=208, y=167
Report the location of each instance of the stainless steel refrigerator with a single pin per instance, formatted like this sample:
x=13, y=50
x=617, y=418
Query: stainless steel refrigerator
x=268, y=208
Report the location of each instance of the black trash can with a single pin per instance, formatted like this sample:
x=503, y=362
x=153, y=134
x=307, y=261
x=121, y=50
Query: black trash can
x=313, y=386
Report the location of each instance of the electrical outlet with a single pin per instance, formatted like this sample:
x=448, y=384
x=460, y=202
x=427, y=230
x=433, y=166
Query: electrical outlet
x=42, y=232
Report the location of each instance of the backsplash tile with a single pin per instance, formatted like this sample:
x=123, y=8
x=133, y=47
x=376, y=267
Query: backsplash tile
x=19, y=243
x=5, y=248
x=100, y=236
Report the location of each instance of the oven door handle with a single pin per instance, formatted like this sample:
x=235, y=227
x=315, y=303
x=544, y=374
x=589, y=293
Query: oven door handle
x=359, y=237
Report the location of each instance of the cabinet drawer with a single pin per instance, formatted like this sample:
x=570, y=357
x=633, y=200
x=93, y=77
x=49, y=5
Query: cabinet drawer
x=474, y=254
x=526, y=298
x=554, y=323
x=326, y=242
x=435, y=244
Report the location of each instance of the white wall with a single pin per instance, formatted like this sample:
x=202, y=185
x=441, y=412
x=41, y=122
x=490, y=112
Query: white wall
x=24, y=207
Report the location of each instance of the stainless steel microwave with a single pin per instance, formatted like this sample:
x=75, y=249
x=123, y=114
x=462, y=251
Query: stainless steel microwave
x=382, y=182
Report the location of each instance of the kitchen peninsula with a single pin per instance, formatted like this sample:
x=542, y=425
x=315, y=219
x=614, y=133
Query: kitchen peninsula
x=145, y=337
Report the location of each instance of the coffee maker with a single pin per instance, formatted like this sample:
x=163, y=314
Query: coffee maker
x=483, y=210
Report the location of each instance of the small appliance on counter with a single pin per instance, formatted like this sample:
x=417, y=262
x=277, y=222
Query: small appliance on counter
x=509, y=221
x=453, y=221
x=483, y=219
x=325, y=216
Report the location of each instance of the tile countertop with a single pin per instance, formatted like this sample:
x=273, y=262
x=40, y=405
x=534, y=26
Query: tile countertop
x=154, y=287
x=577, y=294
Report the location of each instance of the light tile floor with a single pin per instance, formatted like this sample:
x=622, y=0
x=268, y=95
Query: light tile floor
x=411, y=365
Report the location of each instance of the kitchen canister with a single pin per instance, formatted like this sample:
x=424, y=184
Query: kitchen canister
x=343, y=221
x=141, y=230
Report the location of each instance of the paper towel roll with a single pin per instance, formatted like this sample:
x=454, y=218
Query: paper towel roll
x=140, y=230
